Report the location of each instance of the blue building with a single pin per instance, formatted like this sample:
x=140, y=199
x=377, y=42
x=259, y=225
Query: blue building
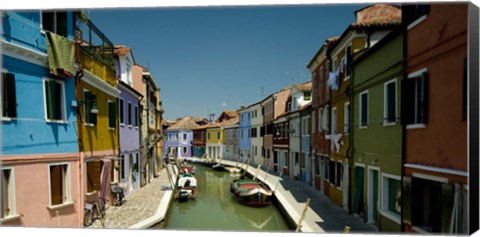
x=40, y=153
x=244, y=130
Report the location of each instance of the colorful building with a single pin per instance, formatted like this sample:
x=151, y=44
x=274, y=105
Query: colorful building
x=97, y=118
x=40, y=163
x=199, y=139
x=434, y=116
x=150, y=127
x=376, y=134
x=305, y=144
x=244, y=129
x=372, y=23
x=318, y=67
x=179, y=138
x=230, y=129
x=268, y=108
x=280, y=132
x=256, y=133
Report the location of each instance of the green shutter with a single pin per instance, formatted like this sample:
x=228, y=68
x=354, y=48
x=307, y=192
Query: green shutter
x=52, y=89
x=93, y=117
x=9, y=96
x=87, y=105
x=111, y=115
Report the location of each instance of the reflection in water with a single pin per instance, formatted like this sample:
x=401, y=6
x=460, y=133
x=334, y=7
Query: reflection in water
x=216, y=208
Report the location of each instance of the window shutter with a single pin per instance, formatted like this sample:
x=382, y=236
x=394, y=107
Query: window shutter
x=112, y=115
x=9, y=96
x=56, y=184
x=406, y=200
x=447, y=206
x=121, y=111
x=424, y=98
x=391, y=106
x=407, y=97
x=94, y=169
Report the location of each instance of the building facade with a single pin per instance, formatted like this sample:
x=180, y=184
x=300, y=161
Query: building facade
x=39, y=138
x=435, y=181
x=377, y=163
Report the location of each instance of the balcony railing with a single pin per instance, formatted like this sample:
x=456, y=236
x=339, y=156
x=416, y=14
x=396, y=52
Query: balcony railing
x=93, y=41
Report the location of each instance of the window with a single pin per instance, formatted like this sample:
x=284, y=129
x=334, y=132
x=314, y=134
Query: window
x=54, y=100
x=320, y=111
x=122, y=167
x=185, y=136
x=363, y=109
x=184, y=150
x=412, y=13
x=129, y=114
x=7, y=193
x=313, y=120
x=121, y=108
x=327, y=167
x=55, y=22
x=317, y=165
x=136, y=116
x=307, y=95
x=348, y=58
x=326, y=121
x=218, y=135
x=59, y=175
x=346, y=118
x=389, y=102
x=391, y=196
x=415, y=98
x=137, y=161
x=331, y=171
x=334, y=120
x=432, y=204
x=90, y=103
x=112, y=114
x=94, y=169
x=339, y=175
x=9, y=98
x=208, y=136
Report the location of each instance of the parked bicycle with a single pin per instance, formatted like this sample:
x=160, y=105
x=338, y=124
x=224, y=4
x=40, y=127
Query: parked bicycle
x=117, y=192
x=94, y=209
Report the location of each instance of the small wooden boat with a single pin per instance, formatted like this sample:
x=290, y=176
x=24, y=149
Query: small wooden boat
x=218, y=167
x=186, y=168
x=187, y=187
x=251, y=192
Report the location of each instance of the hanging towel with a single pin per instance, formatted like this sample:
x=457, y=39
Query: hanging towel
x=60, y=55
x=105, y=181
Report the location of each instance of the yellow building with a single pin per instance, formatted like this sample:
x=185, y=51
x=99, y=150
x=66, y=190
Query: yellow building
x=215, y=141
x=96, y=93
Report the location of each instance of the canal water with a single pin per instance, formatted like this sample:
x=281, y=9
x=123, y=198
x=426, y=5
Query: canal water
x=216, y=208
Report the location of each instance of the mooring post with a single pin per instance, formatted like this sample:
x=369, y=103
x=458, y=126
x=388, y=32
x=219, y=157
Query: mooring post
x=278, y=182
x=256, y=172
x=299, y=225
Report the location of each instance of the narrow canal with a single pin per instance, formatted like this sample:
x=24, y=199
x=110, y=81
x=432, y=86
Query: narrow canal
x=216, y=208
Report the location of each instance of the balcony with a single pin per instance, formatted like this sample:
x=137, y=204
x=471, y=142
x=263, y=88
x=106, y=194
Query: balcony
x=94, y=50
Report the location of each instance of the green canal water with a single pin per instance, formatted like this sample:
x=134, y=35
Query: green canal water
x=216, y=208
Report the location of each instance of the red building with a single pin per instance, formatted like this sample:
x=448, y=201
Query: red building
x=319, y=68
x=434, y=116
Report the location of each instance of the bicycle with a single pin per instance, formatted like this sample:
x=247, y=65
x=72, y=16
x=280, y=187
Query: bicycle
x=94, y=209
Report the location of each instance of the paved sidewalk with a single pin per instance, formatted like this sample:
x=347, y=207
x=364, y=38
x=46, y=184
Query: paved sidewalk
x=143, y=208
x=322, y=215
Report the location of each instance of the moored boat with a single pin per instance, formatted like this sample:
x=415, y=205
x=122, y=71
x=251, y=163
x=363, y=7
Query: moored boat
x=218, y=167
x=251, y=192
x=187, y=187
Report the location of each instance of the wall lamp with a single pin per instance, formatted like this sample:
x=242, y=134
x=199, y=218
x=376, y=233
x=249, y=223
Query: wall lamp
x=93, y=110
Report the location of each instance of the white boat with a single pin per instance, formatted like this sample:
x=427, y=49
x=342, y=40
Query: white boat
x=187, y=187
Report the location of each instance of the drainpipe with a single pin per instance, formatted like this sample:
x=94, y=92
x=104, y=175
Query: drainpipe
x=77, y=91
x=350, y=141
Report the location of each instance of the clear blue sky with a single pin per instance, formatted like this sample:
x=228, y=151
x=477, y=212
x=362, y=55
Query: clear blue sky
x=206, y=60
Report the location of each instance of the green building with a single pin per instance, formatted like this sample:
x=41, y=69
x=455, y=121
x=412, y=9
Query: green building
x=376, y=136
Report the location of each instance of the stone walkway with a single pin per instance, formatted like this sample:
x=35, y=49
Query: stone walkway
x=143, y=207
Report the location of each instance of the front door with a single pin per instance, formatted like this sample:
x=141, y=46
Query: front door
x=373, y=196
